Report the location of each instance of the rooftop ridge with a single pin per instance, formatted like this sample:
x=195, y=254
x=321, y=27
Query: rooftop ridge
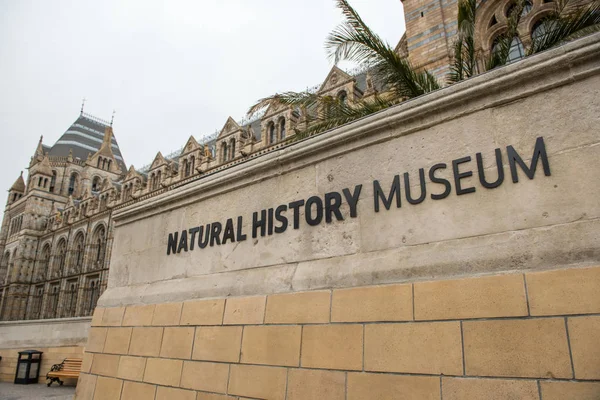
x=95, y=119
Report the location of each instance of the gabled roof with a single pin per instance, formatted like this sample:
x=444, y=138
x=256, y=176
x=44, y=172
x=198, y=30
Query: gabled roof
x=335, y=77
x=190, y=145
x=19, y=185
x=132, y=174
x=229, y=127
x=158, y=161
x=84, y=136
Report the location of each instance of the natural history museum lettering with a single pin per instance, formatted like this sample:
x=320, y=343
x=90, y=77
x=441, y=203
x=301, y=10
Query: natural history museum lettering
x=329, y=207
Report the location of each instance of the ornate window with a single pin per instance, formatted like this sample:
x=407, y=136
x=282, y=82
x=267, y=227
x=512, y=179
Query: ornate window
x=59, y=258
x=186, y=168
x=192, y=164
x=271, y=131
x=78, y=250
x=72, y=184
x=282, y=128
x=92, y=293
x=52, y=304
x=69, y=302
x=516, y=51
x=4, y=268
x=36, y=307
x=42, y=268
x=225, y=152
x=99, y=245
x=232, y=148
x=342, y=97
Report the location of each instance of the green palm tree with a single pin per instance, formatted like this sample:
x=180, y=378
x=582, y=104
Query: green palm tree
x=568, y=21
x=354, y=41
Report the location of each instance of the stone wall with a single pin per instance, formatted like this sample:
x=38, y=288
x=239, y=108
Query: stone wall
x=489, y=289
x=504, y=336
x=58, y=339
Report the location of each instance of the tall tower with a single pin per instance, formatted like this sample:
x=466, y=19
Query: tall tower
x=431, y=28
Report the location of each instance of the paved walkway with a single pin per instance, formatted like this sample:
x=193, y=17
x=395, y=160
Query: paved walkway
x=10, y=391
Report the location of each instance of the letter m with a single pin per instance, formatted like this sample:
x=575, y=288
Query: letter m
x=538, y=152
x=378, y=194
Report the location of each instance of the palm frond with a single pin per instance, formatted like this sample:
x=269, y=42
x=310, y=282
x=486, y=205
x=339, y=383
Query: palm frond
x=464, y=47
x=294, y=99
x=335, y=113
x=500, y=53
x=567, y=22
x=354, y=41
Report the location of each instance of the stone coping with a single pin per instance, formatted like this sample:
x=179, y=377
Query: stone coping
x=46, y=321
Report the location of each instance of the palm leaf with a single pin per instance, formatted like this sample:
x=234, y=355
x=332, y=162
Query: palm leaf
x=464, y=65
x=567, y=22
x=499, y=55
x=354, y=41
x=294, y=99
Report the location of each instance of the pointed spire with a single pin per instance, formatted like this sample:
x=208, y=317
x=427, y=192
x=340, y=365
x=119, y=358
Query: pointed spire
x=19, y=185
x=82, y=105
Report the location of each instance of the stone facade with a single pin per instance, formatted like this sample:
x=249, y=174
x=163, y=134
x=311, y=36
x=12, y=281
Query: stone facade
x=479, y=280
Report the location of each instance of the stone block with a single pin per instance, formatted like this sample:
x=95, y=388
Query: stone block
x=167, y=393
x=166, y=314
x=97, y=316
x=214, y=396
x=162, y=371
x=584, y=334
x=307, y=384
x=105, y=364
x=96, y=340
x=298, y=308
x=85, y=387
x=217, y=343
x=245, y=310
x=532, y=348
x=483, y=297
x=424, y=347
x=117, y=340
x=567, y=291
x=392, y=387
x=271, y=345
x=379, y=303
x=108, y=388
x=131, y=368
x=337, y=346
x=488, y=389
x=203, y=312
x=146, y=342
x=210, y=377
x=113, y=316
x=138, y=315
x=557, y=390
x=177, y=342
x=138, y=391
x=257, y=381
x=86, y=362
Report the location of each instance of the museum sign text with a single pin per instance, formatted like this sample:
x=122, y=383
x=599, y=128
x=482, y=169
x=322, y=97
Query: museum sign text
x=315, y=209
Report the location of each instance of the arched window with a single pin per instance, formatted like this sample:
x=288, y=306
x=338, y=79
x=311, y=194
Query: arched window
x=186, y=168
x=52, y=307
x=42, y=269
x=158, y=179
x=541, y=29
x=99, y=242
x=99, y=162
x=79, y=246
x=72, y=184
x=59, y=258
x=271, y=130
x=342, y=97
x=232, y=148
x=108, y=165
x=225, y=152
x=36, y=308
x=193, y=164
x=516, y=51
x=282, y=128
x=527, y=6
x=104, y=164
x=92, y=292
x=45, y=183
x=53, y=181
x=96, y=184
x=40, y=180
x=70, y=300
x=4, y=268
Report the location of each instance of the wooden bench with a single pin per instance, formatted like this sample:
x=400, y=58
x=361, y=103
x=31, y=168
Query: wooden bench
x=69, y=368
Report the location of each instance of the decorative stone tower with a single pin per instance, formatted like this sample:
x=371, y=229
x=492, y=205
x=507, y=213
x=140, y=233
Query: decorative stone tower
x=431, y=27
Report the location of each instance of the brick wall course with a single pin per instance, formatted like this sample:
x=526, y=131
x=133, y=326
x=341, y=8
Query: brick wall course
x=372, y=348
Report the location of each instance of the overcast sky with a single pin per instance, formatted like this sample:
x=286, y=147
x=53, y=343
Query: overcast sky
x=170, y=69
